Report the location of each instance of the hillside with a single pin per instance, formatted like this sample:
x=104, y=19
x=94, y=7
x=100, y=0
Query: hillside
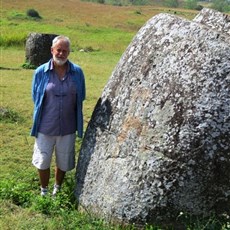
x=83, y=22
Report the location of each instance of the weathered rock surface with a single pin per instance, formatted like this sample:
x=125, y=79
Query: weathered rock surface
x=214, y=19
x=158, y=142
x=38, y=48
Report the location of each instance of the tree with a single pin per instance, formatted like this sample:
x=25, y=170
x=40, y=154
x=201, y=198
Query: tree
x=221, y=5
x=191, y=4
x=171, y=3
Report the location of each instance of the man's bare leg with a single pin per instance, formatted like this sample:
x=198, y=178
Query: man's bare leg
x=44, y=176
x=59, y=176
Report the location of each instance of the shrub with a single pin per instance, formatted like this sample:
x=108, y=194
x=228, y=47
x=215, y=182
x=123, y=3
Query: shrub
x=199, y=7
x=28, y=65
x=191, y=4
x=221, y=5
x=137, y=12
x=8, y=115
x=101, y=1
x=33, y=13
x=171, y=3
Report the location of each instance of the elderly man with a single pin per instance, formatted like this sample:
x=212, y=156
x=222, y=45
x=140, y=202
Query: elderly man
x=58, y=92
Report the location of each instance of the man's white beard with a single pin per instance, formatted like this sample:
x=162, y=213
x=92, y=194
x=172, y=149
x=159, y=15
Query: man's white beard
x=59, y=61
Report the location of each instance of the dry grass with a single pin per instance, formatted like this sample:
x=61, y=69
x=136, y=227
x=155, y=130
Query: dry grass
x=78, y=12
x=71, y=12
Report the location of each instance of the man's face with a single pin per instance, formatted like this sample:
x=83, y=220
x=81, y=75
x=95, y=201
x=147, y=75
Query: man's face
x=60, y=52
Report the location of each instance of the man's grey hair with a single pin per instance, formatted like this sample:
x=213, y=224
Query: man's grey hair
x=61, y=37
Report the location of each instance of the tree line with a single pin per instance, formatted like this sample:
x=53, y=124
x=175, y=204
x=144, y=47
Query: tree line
x=220, y=5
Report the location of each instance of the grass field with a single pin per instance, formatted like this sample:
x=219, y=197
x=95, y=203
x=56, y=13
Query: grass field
x=107, y=31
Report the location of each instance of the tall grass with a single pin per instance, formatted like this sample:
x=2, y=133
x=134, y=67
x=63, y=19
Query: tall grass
x=12, y=40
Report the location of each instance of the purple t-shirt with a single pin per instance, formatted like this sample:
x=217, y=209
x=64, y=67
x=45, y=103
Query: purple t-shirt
x=58, y=116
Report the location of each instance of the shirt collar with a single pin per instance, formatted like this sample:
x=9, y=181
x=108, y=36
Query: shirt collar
x=51, y=65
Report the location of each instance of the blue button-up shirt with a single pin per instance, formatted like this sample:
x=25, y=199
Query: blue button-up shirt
x=40, y=88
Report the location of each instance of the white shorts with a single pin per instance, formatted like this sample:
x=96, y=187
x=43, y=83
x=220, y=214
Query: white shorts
x=64, y=147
